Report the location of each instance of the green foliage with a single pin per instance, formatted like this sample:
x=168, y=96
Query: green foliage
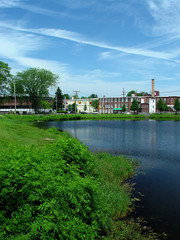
x=85, y=107
x=135, y=105
x=165, y=116
x=36, y=82
x=177, y=105
x=124, y=109
x=66, y=96
x=93, y=96
x=166, y=107
x=55, y=117
x=5, y=76
x=130, y=93
x=45, y=104
x=160, y=105
x=49, y=193
x=58, y=103
x=95, y=104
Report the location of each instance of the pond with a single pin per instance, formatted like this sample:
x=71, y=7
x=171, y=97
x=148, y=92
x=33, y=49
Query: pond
x=156, y=144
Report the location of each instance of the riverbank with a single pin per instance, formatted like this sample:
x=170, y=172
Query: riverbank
x=65, y=117
x=52, y=187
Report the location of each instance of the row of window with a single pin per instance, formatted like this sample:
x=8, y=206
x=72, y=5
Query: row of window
x=118, y=99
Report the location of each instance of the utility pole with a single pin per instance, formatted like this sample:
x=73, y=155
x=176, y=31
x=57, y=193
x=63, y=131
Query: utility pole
x=15, y=96
x=75, y=98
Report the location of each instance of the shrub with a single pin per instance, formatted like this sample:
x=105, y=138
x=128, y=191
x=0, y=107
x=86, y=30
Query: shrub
x=49, y=193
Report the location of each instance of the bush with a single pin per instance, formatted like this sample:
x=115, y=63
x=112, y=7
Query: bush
x=49, y=193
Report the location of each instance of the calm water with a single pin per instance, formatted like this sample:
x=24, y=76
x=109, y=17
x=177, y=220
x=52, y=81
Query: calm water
x=156, y=144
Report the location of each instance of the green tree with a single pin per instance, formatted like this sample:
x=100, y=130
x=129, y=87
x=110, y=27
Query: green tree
x=166, y=107
x=177, y=105
x=95, y=104
x=124, y=108
x=135, y=106
x=36, y=82
x=5, y=76
x=160, y=105
x=58, y=99
x=45, y=104
x=71, y=107
x=130, y=93
x=85, y=107
x=93, y=96
x=66, y=95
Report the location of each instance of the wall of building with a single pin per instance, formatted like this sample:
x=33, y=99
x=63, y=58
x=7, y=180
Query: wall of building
x=106, y=105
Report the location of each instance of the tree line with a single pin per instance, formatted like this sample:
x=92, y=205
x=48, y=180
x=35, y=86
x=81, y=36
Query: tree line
x=34, y=83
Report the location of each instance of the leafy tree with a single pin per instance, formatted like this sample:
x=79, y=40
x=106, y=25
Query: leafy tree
x=160, y=105
x=59, y=98
x=85, y=107
x=95, y=104
x=83, y=97
x=45, y=104
x=130, y=93
x=177, y=105
x=135, y=106
x=124, y=108
x=66, y=96
x=93, y=96
x=166, y=107
x=36, y=82
x=5, y=76
x=71, y=107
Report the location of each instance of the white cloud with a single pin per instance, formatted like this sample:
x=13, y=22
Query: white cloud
x=166, y=16
x=9, y=3
x=76, y=37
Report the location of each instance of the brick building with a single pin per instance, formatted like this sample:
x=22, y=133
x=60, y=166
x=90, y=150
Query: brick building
x=23, y=104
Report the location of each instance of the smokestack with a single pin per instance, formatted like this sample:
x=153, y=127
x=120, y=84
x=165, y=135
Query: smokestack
x=153, y=88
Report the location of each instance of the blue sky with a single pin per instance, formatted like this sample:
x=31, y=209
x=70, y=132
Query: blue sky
x=96, y=46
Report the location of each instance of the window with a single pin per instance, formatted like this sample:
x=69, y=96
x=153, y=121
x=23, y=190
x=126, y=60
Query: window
x=172, y=100
x=164, y=99
x=115, y=105
x=111, y=99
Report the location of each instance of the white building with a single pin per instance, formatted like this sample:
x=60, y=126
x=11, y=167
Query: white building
x=82, y=105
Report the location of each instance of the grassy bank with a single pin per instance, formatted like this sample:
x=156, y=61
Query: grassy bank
x=165, y=116
x=65, y=117
x=52, y=187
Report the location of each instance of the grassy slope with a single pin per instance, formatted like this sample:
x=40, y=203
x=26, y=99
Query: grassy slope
x=113, y=171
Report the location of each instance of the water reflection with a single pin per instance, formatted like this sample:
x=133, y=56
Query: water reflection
x=157, y=146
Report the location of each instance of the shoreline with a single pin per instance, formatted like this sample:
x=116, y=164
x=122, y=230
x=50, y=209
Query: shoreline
x=120, y=223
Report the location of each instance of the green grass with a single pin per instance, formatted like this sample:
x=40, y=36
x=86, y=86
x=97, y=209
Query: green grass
x=114, y=171
x=22, y=133
x=165, y=116
x=65, y=117
x=61, y=176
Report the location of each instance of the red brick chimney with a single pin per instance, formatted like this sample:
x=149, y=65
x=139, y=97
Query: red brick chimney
x=153, y=88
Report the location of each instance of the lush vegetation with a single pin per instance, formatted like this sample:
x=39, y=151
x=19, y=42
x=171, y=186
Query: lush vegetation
x=55, y=117
x=52, y=187
x=165, y=116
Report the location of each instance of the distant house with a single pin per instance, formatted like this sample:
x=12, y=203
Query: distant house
x=82, y=105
